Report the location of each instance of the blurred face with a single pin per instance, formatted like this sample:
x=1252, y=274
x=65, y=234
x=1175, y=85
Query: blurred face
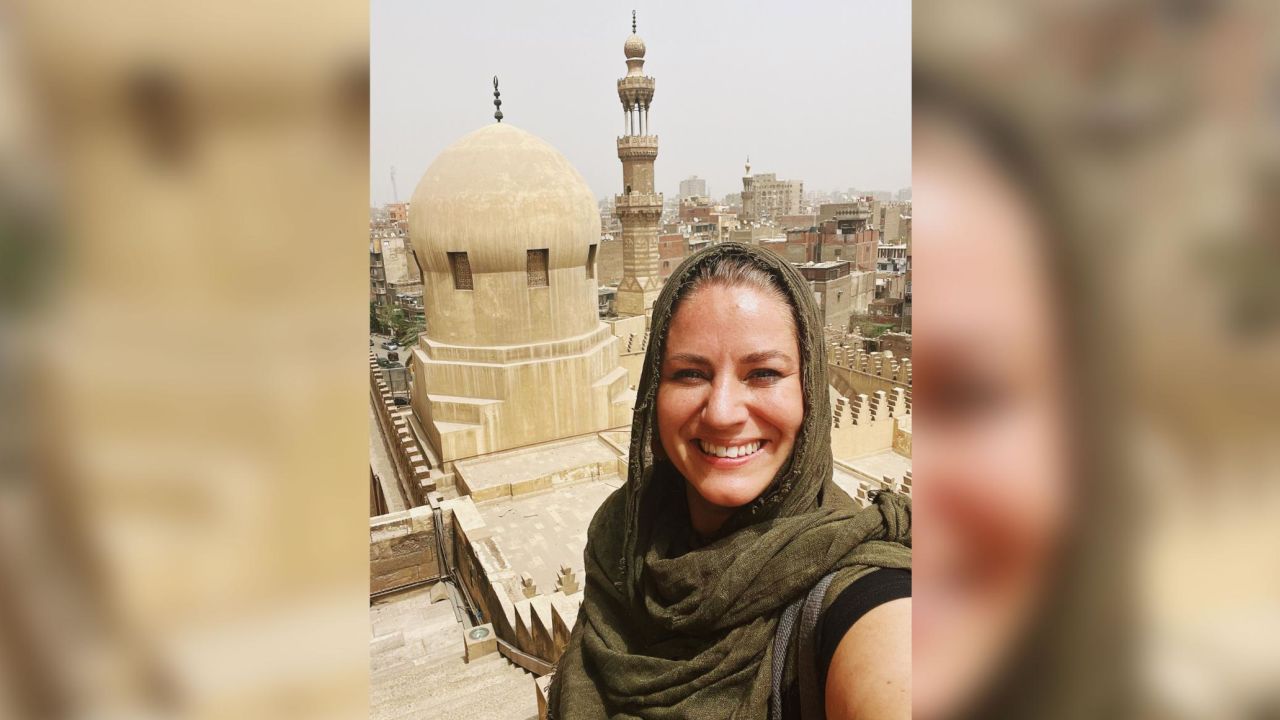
x=991, y=421
x=729, y=401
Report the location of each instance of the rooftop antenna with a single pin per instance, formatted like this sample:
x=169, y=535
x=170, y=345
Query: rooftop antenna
x=497, y=101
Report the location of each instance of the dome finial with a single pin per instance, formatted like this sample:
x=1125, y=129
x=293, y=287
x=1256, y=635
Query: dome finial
x=633, y=21
x=497, y=101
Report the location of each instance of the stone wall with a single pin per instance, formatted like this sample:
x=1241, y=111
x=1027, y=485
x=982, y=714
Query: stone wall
x=402, y=550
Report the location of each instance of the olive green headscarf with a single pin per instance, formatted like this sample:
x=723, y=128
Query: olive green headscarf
x=671, y=628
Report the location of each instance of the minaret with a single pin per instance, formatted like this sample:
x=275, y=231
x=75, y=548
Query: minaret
x=638, y=208
x=748, y=195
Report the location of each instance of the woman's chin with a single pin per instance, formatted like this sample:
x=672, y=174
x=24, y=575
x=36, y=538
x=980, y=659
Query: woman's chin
x=728, y=494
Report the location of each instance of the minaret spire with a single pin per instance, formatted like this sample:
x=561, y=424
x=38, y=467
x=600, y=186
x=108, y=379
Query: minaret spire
x=497, y=100
x=633, y=22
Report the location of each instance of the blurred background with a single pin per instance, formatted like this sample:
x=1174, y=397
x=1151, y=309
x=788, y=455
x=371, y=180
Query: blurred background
x=183, y=220
x=1134, y=147
x=182, y=340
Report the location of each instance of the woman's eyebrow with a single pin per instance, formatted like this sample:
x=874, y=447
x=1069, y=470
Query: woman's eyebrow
x=689, y=358
x=764, y=355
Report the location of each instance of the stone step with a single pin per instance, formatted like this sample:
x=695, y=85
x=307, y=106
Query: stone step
x=501, y=691
x=433, y=694
x=443, y=667
x=442, y=675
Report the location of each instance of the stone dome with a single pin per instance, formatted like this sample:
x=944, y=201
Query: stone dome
x=495, y=194
x=634, y=47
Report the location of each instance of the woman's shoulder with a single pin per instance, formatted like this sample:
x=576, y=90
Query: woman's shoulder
x=854, y=593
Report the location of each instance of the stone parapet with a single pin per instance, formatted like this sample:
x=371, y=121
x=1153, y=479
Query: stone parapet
x=413, y=469
x=402, y=550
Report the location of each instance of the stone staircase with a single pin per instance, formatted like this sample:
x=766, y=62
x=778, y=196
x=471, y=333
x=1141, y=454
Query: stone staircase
x=417, y=668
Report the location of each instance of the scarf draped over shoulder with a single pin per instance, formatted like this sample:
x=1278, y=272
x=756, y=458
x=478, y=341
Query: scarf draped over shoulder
x=671, y=628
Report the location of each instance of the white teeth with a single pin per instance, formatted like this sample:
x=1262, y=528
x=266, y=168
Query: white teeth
x=729, y=452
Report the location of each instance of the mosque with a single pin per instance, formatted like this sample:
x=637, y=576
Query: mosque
x=519, y=416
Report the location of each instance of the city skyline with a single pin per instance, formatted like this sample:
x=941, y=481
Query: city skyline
x=733, y=80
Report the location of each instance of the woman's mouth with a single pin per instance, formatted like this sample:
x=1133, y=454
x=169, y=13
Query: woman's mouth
x=730, y=452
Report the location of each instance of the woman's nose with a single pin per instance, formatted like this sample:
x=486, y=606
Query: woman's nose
x=727, y=404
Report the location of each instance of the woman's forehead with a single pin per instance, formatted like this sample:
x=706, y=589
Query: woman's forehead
x=733, y=321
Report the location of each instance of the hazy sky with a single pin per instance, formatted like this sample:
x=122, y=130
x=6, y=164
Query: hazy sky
x=812, y=91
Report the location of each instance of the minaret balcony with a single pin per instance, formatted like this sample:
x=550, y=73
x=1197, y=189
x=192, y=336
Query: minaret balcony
x=638, y=141
x=641, y=83
x=638, y=147
x=637, y=200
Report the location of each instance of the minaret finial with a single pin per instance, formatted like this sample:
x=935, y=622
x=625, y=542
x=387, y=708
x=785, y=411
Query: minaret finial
x=633, y=22
x=497, y=100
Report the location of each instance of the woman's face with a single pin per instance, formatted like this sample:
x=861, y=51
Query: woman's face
x=730, y=400
x=991, y=422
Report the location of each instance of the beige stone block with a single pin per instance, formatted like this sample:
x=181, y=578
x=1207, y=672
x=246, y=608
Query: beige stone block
x=398, y=578
x=492, y=493
x=480, y=640
x=422, y=561
x=523, y=487
x=422, y=520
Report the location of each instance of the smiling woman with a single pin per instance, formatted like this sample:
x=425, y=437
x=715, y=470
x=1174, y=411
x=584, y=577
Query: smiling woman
x=730, y=520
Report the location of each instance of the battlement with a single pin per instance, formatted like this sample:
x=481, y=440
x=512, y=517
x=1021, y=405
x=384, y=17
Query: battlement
x=877, y=364
x=864, y=410
x=411, y=461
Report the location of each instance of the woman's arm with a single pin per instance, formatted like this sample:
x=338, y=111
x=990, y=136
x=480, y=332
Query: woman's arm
x=870, y=673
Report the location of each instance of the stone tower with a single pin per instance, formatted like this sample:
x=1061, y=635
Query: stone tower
x=749, y=209
x=638, y=208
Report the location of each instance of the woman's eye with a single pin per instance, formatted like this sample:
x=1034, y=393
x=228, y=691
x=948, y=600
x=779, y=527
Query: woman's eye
x=764, y=374
x=688, y=375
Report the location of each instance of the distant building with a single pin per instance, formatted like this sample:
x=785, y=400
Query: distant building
x=833, y=290
x=887, y=217
x=394, y=275
x=377, y=273
x=398, y=212
x=765, y=197
x=693, y=186
x=904, y=195
x=672, y=249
